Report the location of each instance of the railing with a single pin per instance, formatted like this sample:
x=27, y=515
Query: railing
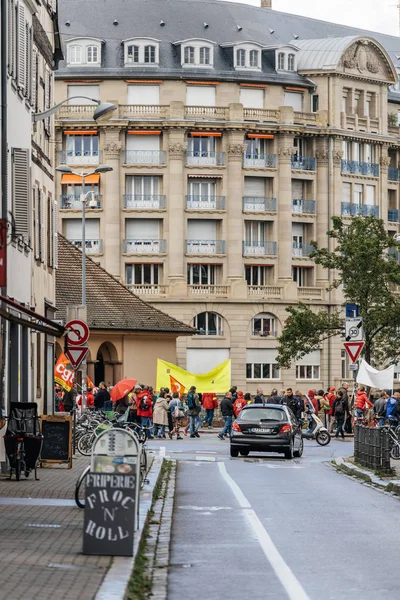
x=393, y=174
x=259, y=204
x=264, y=333
x=265, y=291
x=304, y=206
x=260, y=248
x=137, y=111
x=305, y=117
x=355, y=167
x=205, y=202
x=76, y=111
x=303, y=163
x=393, y=215
x=372, y=447
x=148, y=289
x=72, y=202
x=92, y=246
x=144, y=157
x=144, y=246
x=209, y=159
x=207, y=112
x=208, y=290
x=259, y=160
x=80, y=158
x=209, y=332
x=156, y=201
x=301, y=249
x=205, y=246
x=309, y=292
x=359, y=210
x=260, y=114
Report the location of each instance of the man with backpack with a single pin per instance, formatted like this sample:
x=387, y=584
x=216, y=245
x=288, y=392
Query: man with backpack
x=228, y=414
x=194, y=409
x=393, y=409
x=380, y=408
x=144, y=406
x=340, y=410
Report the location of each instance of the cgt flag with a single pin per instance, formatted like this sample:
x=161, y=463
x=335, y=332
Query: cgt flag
x=66, y=377
x=176, y=386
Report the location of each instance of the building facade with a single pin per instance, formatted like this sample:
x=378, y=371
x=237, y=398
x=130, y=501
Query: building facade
x=238, y=135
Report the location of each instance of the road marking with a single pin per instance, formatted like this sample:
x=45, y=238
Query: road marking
x=162, y=451
x=207, y=458
x=289, y=581
x=205, y=452
x=209, y=508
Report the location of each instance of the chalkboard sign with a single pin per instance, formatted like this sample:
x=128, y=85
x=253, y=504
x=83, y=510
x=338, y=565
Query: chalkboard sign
x=57, y=439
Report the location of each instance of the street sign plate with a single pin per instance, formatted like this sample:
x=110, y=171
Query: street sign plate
x=76, y=355
x=353, y=349
x=353, y=367
x=354, y=329
x=78, y=332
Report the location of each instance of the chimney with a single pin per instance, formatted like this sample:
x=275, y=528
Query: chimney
x=266, y=3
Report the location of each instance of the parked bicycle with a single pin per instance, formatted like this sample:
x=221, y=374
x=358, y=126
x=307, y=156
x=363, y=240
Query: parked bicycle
x=23, y=440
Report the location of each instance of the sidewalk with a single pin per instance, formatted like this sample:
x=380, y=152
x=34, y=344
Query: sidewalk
x=388, y=484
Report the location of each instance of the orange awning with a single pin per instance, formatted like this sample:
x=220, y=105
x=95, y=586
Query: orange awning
x=81, y=132
x=205, y=134
x=75, y=179
x=263, y=136
x=206, y=176
x=138, y=132
x=296, y=89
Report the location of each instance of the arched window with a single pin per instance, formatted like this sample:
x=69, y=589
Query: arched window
x=188, y=55
x=240, y=57
x=291, y=62
x=264, y=325
x=149, y=54
x=208, y=323
x=253, y=59
x=75, y=55
x=92, y=54
x=205, y=54
x=133, y=54
x=281, y=61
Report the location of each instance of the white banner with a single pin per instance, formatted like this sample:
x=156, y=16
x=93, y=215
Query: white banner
x=369, y=376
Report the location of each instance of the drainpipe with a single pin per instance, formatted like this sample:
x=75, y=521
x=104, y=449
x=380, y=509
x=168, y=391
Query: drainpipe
x=4, y=186
x=330, y=173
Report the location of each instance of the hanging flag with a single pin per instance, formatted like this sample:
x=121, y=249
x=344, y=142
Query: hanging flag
x=89, y=382
x=63, y=376
x=176, y=386
x=218, y=380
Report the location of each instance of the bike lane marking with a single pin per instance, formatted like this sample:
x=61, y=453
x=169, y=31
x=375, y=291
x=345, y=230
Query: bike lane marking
x=289, y=581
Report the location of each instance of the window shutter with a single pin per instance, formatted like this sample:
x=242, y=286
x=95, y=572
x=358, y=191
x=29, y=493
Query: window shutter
x=20, y=189
x=36, y=200
x=11, y=38
x=42, y=227
x=27, y=62
x=55, y=235
x=47, y=98
x=21, y=47
x=34, y=78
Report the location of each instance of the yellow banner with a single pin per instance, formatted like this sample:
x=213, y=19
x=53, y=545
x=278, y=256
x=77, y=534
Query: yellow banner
x=218, y=380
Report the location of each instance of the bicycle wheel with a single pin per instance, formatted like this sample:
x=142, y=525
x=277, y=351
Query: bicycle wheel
x=18, y=469
x=143, y=465
x=85, y=444
x=80, y=488
x=395, y=452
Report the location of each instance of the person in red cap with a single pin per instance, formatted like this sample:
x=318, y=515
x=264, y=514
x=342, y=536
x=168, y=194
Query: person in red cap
x=239, y=403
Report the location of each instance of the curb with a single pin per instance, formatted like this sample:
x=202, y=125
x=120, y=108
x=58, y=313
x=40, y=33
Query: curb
x=115, y=583
x=391, y=485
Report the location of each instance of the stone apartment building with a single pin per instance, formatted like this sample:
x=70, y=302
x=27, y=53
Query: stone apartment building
x=239, y=132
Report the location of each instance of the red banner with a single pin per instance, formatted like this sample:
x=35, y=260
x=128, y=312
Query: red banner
x=66, y=377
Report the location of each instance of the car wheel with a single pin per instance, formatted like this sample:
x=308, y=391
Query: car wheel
x=323, y=438
x=289, y=451
x=234, y=452
x=298, y=453
x=244, y=452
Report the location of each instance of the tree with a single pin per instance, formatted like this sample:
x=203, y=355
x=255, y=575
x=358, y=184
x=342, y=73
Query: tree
x=363, y=261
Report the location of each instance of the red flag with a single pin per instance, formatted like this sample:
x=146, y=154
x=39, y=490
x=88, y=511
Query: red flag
x=89, y=382
x=176, y=386
x=65, y=377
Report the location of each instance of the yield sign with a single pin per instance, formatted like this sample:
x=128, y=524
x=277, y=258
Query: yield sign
x=78, y=332
x=353, y=349
x=76, y=355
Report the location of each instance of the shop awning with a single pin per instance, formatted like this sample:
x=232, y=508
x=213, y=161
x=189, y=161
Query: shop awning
x=77, y=180
x=138, y=132
x=262, y=136
x=205, y=134
x=17, y=313
x=81, y=132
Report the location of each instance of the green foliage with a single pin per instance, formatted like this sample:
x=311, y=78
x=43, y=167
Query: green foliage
x=362, y=260
x=392, y=120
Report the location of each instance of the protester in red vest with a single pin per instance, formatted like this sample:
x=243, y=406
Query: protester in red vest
x=239, y=403
x=210, y=403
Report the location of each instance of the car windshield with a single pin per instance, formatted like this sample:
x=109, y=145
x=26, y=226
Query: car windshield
x=263, y=414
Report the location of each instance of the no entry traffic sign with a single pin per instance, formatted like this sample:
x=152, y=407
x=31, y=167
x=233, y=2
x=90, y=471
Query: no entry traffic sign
x=78, y=332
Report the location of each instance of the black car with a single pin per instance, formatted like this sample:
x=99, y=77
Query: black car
x=266, y=428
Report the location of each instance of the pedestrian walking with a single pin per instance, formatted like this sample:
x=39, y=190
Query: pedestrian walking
x=160, y=415
x=178, y=413
x=380, y=408
x=340, y=410
x=259, y=398
x=228, y=414
x=247, y=397
x=393, y=409
x=234, y=392
x=274, y=398
x=362, y=403
x=194, y=409
x=210, y=403
x=102, y=396
x=239, y=403
x=144, y=409
x=331, y=397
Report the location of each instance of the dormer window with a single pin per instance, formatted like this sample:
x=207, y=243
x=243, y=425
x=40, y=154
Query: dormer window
x=291, y=62
x=75, y=55
x=240, y=58
x=281, y=61
x=188, y=55
x=141, y=53
x=84, y=52
x=253, y=59
x=92, y=54
x=285, y=58
x=205, y=55
x=246, y=55
x=196, y=53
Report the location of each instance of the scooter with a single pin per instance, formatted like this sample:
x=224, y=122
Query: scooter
x=318, y=432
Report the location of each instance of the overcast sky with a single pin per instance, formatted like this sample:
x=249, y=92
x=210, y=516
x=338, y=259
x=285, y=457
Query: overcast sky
x=377, y=15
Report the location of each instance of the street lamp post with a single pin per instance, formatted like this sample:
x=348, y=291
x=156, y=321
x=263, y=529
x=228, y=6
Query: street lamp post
x=66, y=170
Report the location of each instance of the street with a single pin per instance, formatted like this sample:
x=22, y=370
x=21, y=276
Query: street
x=264, y=527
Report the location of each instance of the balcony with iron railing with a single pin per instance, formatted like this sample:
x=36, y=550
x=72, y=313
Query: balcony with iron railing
x=301, y=249
x=393, y=174
x=74, y=202
x=148, y=289
x=359, y=210
x=206, y=159
x=260, y=248
x=136, y=246
x=92, y=246
x=303, y=163
x=145, y=201
x=258, y=204
x=205, y=202
x=203, y=290
x=80, y=158
x=355, y=167
x=144, y=157
x=393, y=215
x=259, y=160
x=205, y=246
x=306, y=207
x=264, y=334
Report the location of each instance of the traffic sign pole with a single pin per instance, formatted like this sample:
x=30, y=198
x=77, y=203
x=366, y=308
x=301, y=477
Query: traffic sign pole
x=77, y=337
